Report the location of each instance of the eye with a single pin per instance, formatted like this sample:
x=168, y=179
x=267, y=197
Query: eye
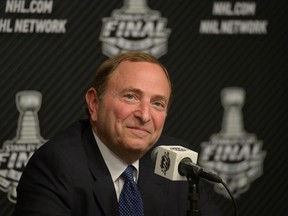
x=130, y=98
x=160, y=105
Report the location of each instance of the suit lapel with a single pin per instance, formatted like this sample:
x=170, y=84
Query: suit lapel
x=153, y=188
x=103, y=188
x=105, y=195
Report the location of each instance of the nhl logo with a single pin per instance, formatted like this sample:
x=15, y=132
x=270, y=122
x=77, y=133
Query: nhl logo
x=134, y=27
x=15, y=153
x=165, y=162
x=233, y=153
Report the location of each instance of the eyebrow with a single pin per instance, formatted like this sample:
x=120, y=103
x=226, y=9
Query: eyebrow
x=140, y=92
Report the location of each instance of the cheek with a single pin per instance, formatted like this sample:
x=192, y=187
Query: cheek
x=118, y=111
x=159, y=121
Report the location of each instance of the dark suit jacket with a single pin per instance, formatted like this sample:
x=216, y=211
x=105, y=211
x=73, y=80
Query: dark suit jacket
x=68, y=176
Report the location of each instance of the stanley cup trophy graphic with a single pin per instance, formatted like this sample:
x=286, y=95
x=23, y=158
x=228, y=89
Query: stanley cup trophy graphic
x=28, y=104
x=16, y=153
x=233, y=153
x=134, y=27
x=232, y=101
x=136, y=7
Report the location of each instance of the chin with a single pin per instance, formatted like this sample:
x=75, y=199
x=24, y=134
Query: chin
x=137, y=143
x=140, y=146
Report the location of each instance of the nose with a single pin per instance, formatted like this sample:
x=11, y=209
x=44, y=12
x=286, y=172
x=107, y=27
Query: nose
x=143, y=112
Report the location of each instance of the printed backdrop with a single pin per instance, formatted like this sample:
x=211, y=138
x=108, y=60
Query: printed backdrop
x=227, y=60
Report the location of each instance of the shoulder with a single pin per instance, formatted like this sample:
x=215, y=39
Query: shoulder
x=64, y=148
x=69, y=137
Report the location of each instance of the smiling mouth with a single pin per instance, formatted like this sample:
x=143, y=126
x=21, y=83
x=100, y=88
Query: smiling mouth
x=140, y=130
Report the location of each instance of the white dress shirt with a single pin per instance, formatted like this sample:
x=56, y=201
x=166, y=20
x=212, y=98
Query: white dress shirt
x=115, y=165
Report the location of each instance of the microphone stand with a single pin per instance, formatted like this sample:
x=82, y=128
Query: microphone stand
x=193, y=197
x=193, y=193
x=185, y=169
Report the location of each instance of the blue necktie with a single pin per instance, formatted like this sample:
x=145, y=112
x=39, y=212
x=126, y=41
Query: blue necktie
x=130, y=201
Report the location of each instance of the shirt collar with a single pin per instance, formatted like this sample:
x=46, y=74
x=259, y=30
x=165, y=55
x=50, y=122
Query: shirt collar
x=115, y=165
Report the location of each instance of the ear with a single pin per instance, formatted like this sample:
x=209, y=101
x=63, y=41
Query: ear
x=92, y=101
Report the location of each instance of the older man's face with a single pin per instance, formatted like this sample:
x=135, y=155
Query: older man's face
x=130, y=117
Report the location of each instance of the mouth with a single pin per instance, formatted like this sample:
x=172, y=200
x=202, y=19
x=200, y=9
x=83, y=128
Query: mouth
x=140, y=131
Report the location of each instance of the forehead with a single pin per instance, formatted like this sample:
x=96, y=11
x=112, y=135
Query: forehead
x=144, y=75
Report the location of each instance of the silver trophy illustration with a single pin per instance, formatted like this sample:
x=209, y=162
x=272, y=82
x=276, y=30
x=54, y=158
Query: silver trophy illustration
x=16, y=152
x=232, y=101
x=28, y=104
x=233, y=153
x=134, y=27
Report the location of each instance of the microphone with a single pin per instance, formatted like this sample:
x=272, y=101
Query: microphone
x=178, y=163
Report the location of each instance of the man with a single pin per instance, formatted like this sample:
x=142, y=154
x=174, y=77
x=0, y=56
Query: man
x=79, y=171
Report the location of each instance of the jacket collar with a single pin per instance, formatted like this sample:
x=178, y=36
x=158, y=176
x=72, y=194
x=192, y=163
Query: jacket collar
x=153, y=188
x=103, y=188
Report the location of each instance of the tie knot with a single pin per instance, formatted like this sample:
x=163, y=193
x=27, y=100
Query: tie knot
x=128, y=173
